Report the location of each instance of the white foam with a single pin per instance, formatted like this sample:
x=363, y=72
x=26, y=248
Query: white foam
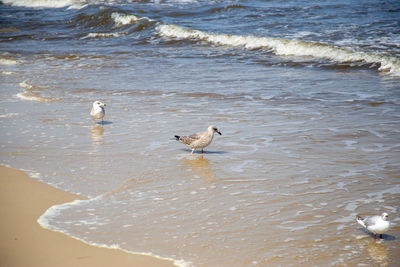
x=8, y=62
x=30, y=95
x=7, y=72
x=46, y=3
x=175, y=1
x=103, y=35
x=350, y=144
x=32, y=174
x=8, y=115
x=286, y=47
x=121, y=19
x=25, y=85
x=56, y=210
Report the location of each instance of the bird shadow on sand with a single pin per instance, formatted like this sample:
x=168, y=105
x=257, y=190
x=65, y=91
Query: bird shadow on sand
x=104, y=122
x=385, y=237
x=205, y=151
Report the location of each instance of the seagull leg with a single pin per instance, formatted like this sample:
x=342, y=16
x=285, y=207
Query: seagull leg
x=202, y=151
x=102, y=122
x=192, y=151
x=375, y=236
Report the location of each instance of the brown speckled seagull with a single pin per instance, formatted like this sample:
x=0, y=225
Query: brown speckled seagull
x=199, y=140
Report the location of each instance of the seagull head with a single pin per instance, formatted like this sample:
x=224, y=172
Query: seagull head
x=385, y=216
x=212, y=129
x=99, y=104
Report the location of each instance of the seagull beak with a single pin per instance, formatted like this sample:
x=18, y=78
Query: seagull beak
x=219, y=132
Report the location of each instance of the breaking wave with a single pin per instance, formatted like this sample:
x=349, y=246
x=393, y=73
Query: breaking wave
x=31, y=93
x=74, y=4
x=102, y=35
x=286, y=47
x=45, y=221
x=121, y=19
x=8, y=61
x=78, y=4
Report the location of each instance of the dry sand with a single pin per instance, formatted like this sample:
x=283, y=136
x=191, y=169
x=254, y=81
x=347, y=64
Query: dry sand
x=23, y=242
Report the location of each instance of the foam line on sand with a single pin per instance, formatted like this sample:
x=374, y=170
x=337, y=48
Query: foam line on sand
x=24, y=243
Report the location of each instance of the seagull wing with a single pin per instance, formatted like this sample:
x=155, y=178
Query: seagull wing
x=187, y=140
x=370, y=221
x=93, y=112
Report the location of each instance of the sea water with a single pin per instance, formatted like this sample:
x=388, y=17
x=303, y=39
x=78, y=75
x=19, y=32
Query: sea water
x=306, y=95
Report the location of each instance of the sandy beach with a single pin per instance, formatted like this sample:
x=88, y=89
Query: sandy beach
x=25, y=243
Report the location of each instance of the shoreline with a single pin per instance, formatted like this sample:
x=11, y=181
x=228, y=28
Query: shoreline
x=25, y=243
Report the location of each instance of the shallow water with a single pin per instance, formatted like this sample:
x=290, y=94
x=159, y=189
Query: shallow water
x=308, y=140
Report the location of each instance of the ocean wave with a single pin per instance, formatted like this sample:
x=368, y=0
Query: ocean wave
x=103, y=35
x=31, y=93
x=126, y=19
x=286, y=47
x=8, y=115
x=7, y=72
x=227, y=8
x=8, y=62
x=174, y=1
x=103, y=21
x=122, y=19
x=78, y=4
x=54, y=211
x=74, y=4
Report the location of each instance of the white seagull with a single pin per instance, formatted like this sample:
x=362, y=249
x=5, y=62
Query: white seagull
x=98, y=111
x=378, y=224
x=199, y=140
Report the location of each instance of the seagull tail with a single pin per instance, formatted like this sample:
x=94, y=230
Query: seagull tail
x=177, y=137
x=361, y=221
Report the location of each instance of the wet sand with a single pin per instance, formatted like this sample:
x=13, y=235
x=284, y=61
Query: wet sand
x=23, y=242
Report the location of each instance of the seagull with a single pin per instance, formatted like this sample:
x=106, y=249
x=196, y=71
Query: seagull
x=375, y=224
x=98, y=111
x=199, y=140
